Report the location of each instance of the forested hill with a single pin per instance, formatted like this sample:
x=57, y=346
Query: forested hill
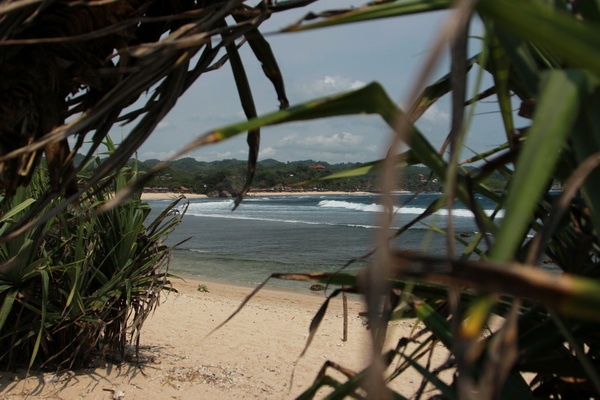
x=216, y=177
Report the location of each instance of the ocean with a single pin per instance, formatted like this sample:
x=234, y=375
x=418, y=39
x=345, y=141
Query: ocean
x=303, y=233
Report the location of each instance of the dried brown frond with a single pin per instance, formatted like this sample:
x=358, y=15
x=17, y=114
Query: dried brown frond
x=73, y=70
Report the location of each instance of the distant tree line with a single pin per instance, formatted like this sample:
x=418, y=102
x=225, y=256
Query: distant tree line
x=229, y=176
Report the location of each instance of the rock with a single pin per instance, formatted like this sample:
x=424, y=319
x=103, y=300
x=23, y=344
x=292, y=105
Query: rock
x=224, y=193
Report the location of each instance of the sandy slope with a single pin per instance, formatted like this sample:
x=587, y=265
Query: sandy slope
x=251, y=357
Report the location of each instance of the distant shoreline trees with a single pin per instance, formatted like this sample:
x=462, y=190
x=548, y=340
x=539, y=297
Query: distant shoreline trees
x=211, y=178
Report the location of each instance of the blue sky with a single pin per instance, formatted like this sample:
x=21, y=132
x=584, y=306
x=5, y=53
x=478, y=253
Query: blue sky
x=314, y=64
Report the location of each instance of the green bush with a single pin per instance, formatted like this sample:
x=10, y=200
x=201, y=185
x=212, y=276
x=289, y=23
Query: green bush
x=81, y=284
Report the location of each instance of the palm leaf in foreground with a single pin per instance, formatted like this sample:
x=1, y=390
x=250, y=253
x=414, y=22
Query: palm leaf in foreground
x=539, y=63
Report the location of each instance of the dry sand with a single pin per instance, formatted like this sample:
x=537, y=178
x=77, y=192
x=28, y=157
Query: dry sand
x=172, y=195
x=251, y=357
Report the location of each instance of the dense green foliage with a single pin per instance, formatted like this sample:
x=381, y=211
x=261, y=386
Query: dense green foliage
x=81, y=284
x=229, y=175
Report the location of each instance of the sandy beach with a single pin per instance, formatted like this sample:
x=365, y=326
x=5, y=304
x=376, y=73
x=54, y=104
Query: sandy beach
x=172, y=195
x=251, y=357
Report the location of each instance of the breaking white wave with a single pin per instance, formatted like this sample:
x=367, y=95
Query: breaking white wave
x=404, y=210
x=350, y=206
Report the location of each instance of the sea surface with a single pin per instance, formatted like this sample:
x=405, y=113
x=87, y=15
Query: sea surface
x=303, y=233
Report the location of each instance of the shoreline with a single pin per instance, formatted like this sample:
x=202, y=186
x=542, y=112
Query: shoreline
x=173, y=195
x=252, y=356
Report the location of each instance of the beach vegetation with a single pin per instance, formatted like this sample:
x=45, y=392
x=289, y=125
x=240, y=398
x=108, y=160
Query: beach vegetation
x=202, y=288
x=216, y=176
x=538, y=60
x=81, y=285
x=79, y=70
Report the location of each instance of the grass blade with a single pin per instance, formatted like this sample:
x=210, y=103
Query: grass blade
x=573, y=40
x=551, y=127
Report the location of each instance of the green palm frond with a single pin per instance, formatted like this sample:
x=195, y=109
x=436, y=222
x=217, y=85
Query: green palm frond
x=81, y=284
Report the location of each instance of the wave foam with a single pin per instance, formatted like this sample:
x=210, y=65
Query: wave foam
x=351, y=206
x=404, y=210
x=210, y=205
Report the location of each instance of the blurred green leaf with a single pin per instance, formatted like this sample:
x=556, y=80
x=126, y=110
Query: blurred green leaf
x=446, y=390
x=573, y=40
x=377, y=11
x=16, y=210
x=552, y=125
x=586, y=143
x=435, y=322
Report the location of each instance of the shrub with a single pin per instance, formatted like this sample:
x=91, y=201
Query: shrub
x=82, y=283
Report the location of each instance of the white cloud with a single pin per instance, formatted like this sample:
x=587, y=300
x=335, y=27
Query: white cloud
x=338, y=147
x=268, y=152
x=330, y=85
x=223, y=155
x=289, y=140
x=372, y=149
x=212, y=155
x=435, y=116
x=158, y=155
x=337, y=141
x=435, y=124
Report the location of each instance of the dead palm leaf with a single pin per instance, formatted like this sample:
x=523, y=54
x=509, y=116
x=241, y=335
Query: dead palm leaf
x=73, y=69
